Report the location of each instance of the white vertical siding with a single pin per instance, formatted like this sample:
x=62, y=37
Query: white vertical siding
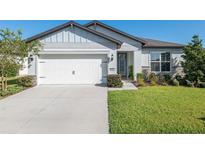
x=72, y=35
x=53, y=38
x=48, y=39
x=65, y=36
x=59, y=37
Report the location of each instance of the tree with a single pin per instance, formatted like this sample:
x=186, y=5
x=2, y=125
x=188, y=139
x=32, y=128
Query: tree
x=13, y=50
x=194, y=60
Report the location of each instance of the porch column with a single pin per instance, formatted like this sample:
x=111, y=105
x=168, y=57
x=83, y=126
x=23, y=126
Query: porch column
x=37, y=69
x=112, y=64
x=137, y=68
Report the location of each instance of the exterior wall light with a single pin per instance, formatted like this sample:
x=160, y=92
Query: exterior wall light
x=112, y=57
x=30, y=59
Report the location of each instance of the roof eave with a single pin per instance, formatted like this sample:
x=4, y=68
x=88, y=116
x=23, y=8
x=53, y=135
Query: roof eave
x=163, y=46
x=115, y=30
x=38, y=36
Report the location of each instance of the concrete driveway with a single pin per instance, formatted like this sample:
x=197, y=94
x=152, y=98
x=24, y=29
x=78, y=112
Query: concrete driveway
x=56, y=109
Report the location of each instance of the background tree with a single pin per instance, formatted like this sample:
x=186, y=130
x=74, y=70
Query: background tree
x=194, y=60
x=13, y=50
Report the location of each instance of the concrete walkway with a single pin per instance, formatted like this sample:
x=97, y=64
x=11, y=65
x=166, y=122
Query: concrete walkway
x=127, y=85
x=56, y=109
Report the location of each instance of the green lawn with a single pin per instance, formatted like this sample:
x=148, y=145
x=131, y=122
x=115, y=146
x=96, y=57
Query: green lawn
x=13, y=88
x=157, y=110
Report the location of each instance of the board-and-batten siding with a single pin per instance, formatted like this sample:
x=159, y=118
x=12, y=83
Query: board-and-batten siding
x=71, y=35
x=66, y=35
x=74, y=37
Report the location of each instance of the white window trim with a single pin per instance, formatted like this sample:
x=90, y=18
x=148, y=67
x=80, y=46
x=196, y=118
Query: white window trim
x=160, y=61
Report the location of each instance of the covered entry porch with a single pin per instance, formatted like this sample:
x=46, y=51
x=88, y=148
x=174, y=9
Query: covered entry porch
x=128, y=64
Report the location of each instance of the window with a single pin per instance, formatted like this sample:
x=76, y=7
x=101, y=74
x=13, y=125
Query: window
x=160, y=62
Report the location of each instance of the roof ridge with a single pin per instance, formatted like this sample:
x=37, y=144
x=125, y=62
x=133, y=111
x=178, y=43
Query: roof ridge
x=59, y=27
x=146, y=41
x=116, y=30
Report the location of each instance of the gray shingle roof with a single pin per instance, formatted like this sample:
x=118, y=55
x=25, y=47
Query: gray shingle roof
x=115, y=30
x=148, y=43
x=75, y=24
x=151, y=43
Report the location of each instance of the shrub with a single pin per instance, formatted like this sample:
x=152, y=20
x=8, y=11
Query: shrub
x=181, y=79
x=153, y=83
x=153, y=77
x=11, y=70
x=167, y=78
x=26, y=81
x=140, y=76
x=178, y=77
x=4, y=93
x=194, y=60
x=146, y=74
x=114, y=81
x=11, y=90
x=175, y=82
x=164, y=84
x=131, y=74
x=140, y=79
x=141, y=82
x=202, y=85
x=189, y=83
x=161, y=80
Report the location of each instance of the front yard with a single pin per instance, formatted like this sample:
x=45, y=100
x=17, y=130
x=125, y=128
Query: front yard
x=13, y=88
x=157, y=110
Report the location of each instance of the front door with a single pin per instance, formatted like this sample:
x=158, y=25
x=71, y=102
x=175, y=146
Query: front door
x=122, y=64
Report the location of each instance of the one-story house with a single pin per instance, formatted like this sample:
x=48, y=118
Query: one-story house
x=86, y=54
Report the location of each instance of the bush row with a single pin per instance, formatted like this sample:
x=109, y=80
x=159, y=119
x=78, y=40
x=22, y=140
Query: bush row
x=11, y=90
x=20, y=84
x=114, y=81
x=166, y=79
x=27, y=81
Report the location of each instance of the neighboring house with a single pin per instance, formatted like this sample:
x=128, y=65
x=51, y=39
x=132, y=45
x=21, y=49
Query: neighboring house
x=86, y=54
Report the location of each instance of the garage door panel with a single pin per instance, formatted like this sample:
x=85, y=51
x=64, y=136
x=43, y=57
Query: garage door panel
x=71, y=71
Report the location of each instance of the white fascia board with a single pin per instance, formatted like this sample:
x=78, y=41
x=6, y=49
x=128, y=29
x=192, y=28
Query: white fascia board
x=75, y=51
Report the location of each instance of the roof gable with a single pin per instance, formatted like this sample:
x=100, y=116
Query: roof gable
x=71, y=23
x=115, y=30
x=147, y=43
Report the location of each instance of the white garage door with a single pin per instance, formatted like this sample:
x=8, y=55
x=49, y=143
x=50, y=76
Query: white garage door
x=88, y=70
